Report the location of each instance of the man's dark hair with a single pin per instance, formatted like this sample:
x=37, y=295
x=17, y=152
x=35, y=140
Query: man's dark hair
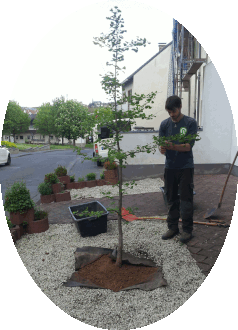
x=173, y=102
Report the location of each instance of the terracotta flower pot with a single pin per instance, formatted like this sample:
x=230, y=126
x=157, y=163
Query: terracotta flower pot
x=38, y=226
x=80, y=185
x=112, y=181
x=64, y=179
x=110, y=174
x=16, y=233
x=63, y=197
x=17, y=218
x=101, y=182
x=56, y=187
x=47, y=198
x=70, y=185
x=91, y=184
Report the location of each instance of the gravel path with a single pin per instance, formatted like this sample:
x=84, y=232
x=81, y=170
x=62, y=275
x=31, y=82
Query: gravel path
x=141, y=186
x=49, y=258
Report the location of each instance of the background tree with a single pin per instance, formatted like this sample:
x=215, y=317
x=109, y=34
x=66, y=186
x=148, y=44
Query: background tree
x=73, y=120
x=16, y=121
x=44, y=121
x=57, y=103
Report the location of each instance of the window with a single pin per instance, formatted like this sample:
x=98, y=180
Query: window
x=16, y=137
x=51, y=137
x=21, y=137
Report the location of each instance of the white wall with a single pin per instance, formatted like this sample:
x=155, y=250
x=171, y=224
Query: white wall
x=130, y=142
x=151, y=78
x=217, y=121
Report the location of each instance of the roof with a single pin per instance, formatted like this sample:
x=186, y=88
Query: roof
x=132, y=75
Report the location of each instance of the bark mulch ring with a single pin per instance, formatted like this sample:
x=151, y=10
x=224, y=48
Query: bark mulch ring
x=96, y=268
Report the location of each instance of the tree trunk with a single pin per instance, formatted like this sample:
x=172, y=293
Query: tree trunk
x=62, y=140
x=49, y=139
x=120, y=240
x=74, y=142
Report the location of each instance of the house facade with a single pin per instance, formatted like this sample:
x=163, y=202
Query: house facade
x=151, y=77
x=183, y=68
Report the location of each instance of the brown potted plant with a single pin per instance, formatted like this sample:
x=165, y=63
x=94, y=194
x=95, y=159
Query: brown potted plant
x=61, y=173
x=80, y=184
x=19, y=204
x=63, y=196
x=14, y=230
x=91, y=180
x=46, y=192
x=40, y=223
x=71, y=185
x=101, y=181
x=111, y=173
x=54, y=181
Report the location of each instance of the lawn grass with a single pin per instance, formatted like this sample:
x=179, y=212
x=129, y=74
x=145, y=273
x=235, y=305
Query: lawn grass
x=89, y=145
x=23, y=146
x=59, y=146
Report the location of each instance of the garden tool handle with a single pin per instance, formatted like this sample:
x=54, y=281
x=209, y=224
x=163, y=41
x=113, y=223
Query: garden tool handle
x=219, y=205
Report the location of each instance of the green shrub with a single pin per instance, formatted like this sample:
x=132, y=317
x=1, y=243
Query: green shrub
x=81, y=179
x=45, y=188
x=72, y=178
x=39, y=214
x=102, y=176
x=61, y=170
x=91, y=176
x=17, y=198
x=8, y=144
x=51, y=178
x=9, y=223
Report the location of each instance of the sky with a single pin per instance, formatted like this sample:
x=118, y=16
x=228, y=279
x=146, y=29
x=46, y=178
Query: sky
x=66, y=62
x=43, y=55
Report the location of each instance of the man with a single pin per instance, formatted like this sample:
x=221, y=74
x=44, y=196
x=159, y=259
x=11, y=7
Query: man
x=179, y=169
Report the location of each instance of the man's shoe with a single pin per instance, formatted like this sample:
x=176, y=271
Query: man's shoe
x=170, y=234
x=185, y=237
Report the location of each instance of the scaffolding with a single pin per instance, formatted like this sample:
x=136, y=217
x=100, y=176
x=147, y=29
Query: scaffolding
x=185, y=61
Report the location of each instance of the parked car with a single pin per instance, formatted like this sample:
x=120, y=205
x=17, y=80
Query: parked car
x=5, y=156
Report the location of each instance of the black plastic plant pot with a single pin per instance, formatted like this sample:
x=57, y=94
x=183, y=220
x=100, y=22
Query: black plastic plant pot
x=90, y=226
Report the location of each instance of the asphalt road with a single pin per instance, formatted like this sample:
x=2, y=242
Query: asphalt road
x=32, y=167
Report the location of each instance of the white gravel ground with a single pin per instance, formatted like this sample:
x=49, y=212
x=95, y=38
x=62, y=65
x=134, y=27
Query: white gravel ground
x=104, y=308
x=142, y=186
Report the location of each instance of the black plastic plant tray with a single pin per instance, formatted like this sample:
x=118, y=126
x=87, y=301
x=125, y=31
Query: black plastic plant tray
x=90, y=226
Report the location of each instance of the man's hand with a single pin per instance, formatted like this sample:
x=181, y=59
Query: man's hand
x=169, y=145
x=162, y=150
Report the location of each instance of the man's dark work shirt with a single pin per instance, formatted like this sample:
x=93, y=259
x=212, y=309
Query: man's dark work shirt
x=176, y=159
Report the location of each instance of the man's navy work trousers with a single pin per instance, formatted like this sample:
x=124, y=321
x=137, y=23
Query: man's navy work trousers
x=179, y=181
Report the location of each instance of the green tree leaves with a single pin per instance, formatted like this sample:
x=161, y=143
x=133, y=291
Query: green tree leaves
x=16, y=121
x=44, y=121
